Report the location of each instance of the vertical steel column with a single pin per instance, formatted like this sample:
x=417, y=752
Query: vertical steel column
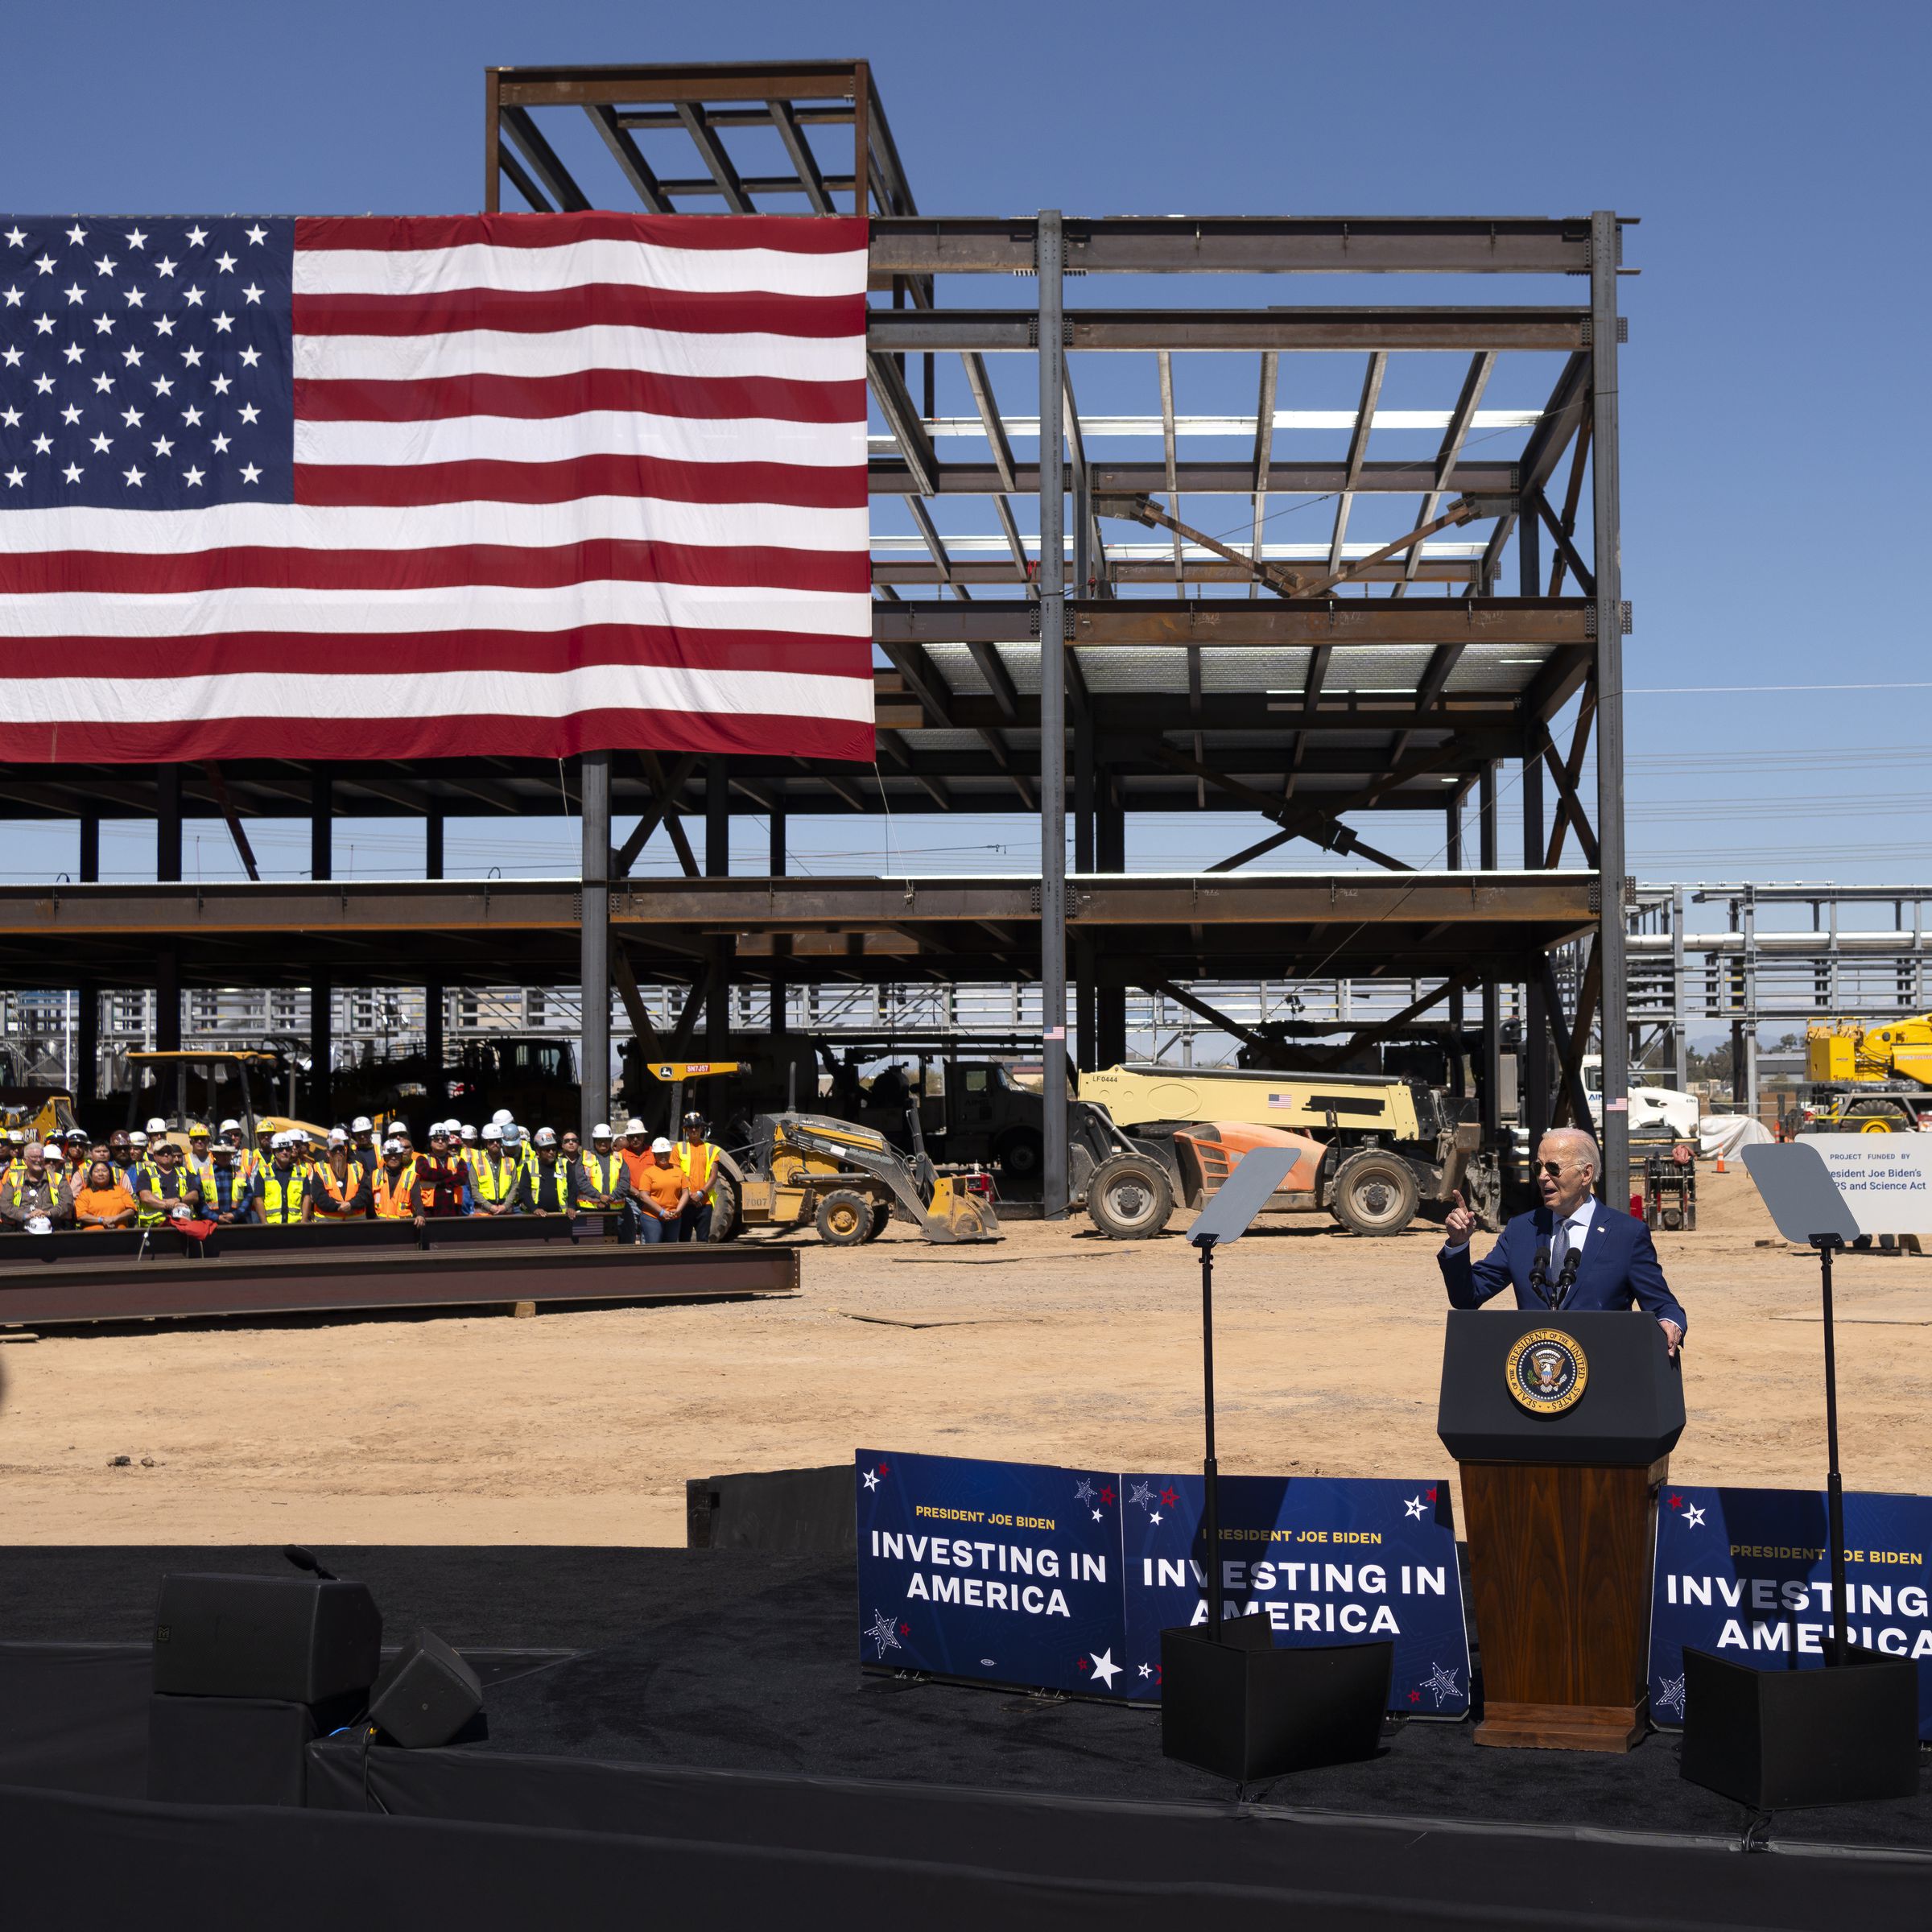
x=717, y=819
x=1680, y=1028
x=1536, y=1095
x=1749, y=1069
x=89, y=870
x=778, y=829
x=167, y=1001
x=168, y=870
x=321, y=826
x=718, y=865
x=594, y=935
x=1488, y=856
x=1110, y=855
x=433, y=1041
x=781, y=942
x=1049, y=259
x=1605, y=245
x=87, y=1042
x=1452, y=858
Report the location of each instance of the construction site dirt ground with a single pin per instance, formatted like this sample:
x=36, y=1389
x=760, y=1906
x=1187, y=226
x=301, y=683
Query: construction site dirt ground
x=1056, y=1345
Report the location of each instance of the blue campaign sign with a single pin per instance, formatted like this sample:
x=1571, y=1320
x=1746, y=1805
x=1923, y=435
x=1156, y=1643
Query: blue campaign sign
x=1008, y=1573
x=1326, y=1560
x=1746, y=1573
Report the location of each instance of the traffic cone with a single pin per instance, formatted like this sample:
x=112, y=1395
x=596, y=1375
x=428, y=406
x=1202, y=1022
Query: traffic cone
x=1720, y=1163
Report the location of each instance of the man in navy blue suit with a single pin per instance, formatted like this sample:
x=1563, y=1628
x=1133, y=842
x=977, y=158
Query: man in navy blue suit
x=1571, y=1253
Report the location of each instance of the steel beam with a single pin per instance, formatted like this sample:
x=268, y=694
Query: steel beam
x=1048, y=263
x=594, y=944
x=890, y=476
x=1013, y=331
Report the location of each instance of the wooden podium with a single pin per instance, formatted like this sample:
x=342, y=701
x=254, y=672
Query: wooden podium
x=1562, y=1425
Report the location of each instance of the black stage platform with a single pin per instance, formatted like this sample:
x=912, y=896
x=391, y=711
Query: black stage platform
x=714, y=1698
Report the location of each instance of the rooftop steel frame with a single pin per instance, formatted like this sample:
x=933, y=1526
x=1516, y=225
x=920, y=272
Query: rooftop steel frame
x=1044, y=656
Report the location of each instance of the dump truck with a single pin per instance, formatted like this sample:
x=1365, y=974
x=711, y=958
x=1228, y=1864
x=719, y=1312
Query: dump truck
x=1388, y=1143
x=809, y=1171
x=1870, y=1079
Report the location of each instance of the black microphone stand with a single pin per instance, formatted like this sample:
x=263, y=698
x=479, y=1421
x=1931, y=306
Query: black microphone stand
x=1834, y=1487
x=1211, y=1502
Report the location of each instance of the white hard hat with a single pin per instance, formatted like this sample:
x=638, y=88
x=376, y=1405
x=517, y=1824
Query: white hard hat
x=38, y=1223
x=136, y=1139
x=392, y=1146
x=157, y=1125
x=338, y=1137
x=467, y=1132
x=634, y=1125
x=546, y=1137
x=230, y=1127
x=601, y=1131
x=501, y=1117
x=660, y=1146
x=362, y=1123
x=493, y=1132
x=280, y=1140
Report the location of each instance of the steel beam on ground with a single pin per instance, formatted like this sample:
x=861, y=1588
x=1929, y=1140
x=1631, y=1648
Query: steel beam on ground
x=1049, y=261
x=1606, y=248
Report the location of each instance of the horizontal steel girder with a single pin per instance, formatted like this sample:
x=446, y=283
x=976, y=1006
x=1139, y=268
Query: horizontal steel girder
x=997, y=331
x=890, y=476
x=1235, y=245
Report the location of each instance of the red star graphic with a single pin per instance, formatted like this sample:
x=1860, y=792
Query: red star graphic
x=1170, y=1497
x=1415, y=1697
x=884, y=1469
x=1107, y=1493
x=1081, y=1661
x=1429, y=1495
x=904, y=1629
x=1676, y=1502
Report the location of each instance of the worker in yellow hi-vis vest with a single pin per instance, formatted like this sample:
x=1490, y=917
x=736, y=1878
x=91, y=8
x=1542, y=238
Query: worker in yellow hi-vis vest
x=697, y=1160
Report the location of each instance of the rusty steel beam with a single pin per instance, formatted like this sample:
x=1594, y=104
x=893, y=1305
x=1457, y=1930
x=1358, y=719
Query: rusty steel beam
x=1014, y=330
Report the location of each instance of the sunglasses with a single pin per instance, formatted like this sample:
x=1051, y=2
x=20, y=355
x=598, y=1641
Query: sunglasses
x=1553, y=1169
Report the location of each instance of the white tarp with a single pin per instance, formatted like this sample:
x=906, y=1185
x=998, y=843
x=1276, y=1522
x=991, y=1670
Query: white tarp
x=1719, y=1136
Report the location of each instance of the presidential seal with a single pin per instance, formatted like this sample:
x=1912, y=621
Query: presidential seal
x=1547, y=1371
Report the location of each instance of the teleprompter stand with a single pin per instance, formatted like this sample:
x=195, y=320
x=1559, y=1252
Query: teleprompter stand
x=1231, y=1702
x=1779, y=1740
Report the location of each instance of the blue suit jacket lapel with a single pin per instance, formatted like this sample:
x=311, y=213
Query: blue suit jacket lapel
x=1595, y=1243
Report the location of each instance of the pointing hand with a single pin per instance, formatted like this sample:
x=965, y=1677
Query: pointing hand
x=1460, y=1223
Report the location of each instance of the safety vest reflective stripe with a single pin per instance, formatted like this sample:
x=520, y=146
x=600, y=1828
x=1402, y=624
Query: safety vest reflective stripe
x=147, y=1180
x=550, y=1186
x=342, y=1192
x=604, y=1169
x=497, y=1178
x=282, y=1194
x=697, y=1162
x=228, y=1185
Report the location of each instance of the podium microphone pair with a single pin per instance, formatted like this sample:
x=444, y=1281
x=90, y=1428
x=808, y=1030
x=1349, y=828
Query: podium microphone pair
x=1566, y=1280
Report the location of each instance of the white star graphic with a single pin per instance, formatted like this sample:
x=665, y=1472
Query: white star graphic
x=103, y=443
x=165, y=326
x=191, y=357
x=11, y=358
x=103, y=325
x=131, y=357
x=131, y=418
x=45, y=264
x=1146, y=1669
x=224, y=324
x=164, y=386
x=42, y=444
x=134, y=476
x=44, y=385
x=1442, y=1683
x=249, y=473
x=883, y=1632
x=193, y=297
x=13, y=297
x=251, y=358
x=43, y=326
x=16, y=478
x=1671, y=1696
x=221, y=446
x=223, y=384
x=1083, y=1490
x=71, y=414
x=1142, y=1494
x=1155, y=1517
x=136, y=239
x=74, y=352
x=75, y=293
x=1096, y=1516
x=196, y=236
x=71, y=472
x=249, y=413
x=135, y=298
x=871, y=1479
x=10, y=417
x=76, y=234
x=256, y=235
x=1694, y=1517
x=105, y=266
x=1413, y=1508
x=163, y=447
x=16, y=236
x=225, y=263
x=104, y=382
x=252, y=293
x=1105, y=1669
x=193, y=477
x=164, y=266
x=190, y=417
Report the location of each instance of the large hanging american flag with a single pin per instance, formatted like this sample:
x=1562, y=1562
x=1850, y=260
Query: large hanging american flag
x=375, y=488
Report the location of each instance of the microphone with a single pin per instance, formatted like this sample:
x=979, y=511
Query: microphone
x=1539, y=1274
x=307, y=1559
x=1567, y=1280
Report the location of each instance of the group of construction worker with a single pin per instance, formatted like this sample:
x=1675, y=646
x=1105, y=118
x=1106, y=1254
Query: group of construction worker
x=663, y=1191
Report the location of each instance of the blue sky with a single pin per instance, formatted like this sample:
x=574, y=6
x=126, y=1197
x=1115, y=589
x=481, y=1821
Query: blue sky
x=1775, y=400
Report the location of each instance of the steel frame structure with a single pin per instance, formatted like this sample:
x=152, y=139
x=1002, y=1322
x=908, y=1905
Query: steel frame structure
x=1083, y=674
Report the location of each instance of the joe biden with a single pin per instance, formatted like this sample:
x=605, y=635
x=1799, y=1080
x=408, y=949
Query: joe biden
x=1572, y=1252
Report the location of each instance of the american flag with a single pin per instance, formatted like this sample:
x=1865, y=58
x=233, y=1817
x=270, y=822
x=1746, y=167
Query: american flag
x=431, y=487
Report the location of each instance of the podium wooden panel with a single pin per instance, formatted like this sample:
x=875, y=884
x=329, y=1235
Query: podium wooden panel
x=1559, y=1498
x=1559, y=1568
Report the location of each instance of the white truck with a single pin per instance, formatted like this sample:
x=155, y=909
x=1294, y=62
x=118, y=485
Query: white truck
x=1654, y=1111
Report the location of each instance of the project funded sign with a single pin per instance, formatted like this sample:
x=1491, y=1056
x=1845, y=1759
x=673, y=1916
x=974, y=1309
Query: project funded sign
x=1746, y=1575
x=1050, y=1578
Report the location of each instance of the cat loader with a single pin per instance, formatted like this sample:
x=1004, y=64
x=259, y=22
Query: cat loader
x=806, y=1170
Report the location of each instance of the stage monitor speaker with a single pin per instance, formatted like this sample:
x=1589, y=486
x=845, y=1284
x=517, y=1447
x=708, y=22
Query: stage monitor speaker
x=1240, y=1707
x=1781, y=1740
x=300, y=1640
x=427, y=1696
x=233, y=1750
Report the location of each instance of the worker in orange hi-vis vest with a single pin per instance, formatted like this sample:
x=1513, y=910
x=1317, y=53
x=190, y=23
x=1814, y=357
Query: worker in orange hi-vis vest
x=398, y=1193
x=698, y=1161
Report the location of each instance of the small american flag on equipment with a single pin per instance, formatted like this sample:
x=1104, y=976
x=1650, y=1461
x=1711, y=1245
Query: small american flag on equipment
x=432, y=487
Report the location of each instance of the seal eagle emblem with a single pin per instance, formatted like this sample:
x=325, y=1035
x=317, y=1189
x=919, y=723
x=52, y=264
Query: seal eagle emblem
x=1546, y=1372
